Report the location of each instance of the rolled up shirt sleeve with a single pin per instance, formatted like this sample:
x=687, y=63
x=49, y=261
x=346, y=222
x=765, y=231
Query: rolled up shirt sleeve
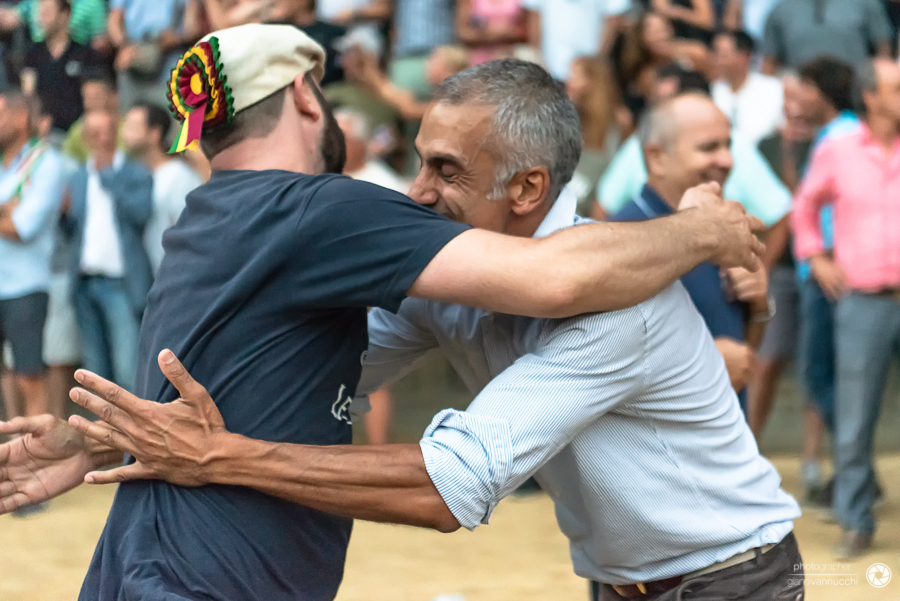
x=817, y=187
x=582, y=368
x=41, y=197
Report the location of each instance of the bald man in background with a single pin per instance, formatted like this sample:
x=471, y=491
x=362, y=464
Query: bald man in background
x=686, y=141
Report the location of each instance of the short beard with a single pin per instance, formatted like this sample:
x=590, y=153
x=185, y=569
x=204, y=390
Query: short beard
x=332, y=146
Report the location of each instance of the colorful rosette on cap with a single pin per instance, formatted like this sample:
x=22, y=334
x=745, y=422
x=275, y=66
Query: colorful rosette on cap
x=199, y=95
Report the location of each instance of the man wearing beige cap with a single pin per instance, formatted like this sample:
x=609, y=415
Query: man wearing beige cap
x=263, y=292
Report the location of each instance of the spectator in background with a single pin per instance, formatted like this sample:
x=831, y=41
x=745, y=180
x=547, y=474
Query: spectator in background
x=62, y=351
x=751, y=182
x=603, y=122
x=691, y=19
x=56, y=68
x=420, y=27
x=302, y=15
x=99, y=94
x=686, y=142
x=145, y=132
x=347, y=12
x=491, y=29
x=147, y=35
x=798, y=31
x=786, y=151
x=748, y=15
x=87, y=25
x=361, y=49
x=645, y=48
x=563, y=31
x=112, y=202
x=360, y=164
x=443, y=62
x=860, y=174
x=31, y=188
x=753, y=101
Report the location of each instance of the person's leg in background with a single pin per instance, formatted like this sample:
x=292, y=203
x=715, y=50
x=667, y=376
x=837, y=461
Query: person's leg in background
x=95, y=355
x=122, y=326
x=378, y=419
x=778, y=346
x=23, y=326
x=867, y=327
x=61, y=350
x=817, y=371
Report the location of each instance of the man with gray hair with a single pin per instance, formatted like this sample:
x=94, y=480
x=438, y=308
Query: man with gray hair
x=583, y=404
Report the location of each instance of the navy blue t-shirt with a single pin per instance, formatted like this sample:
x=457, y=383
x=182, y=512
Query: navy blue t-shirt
x=262, y=293
x=723, y=316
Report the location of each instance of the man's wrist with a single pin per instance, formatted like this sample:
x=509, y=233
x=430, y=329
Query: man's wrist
x=228, y=453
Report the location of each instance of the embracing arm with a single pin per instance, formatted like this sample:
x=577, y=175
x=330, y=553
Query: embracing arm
x=589, y=268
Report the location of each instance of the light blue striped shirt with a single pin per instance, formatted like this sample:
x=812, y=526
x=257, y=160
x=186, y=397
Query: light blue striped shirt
x=627, y=419
x=25, y=263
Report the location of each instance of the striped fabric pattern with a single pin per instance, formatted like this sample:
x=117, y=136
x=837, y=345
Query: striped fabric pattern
x=420, y=26
x=627, y=419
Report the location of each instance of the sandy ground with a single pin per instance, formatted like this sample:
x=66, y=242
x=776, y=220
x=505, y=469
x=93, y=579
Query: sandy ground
x=521, y=556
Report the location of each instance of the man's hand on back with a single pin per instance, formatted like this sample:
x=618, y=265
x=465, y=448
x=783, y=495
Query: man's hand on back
x=172, y=441
x=47, y=459
x=733, y=242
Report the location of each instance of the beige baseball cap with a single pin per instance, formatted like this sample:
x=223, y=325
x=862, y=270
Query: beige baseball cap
x=259, y=60
x=232, y=69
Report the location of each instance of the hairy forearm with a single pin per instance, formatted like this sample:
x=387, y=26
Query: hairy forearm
x=380, y=483
x=614, y=266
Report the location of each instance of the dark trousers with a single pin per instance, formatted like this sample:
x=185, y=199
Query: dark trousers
x=817, y=349
x=777, y=574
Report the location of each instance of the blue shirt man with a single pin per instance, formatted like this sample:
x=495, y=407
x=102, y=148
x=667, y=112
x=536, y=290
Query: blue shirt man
x=751, y=182
x=34, y=179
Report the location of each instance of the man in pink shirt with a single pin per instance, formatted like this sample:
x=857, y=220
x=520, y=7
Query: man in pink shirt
x=860, y=172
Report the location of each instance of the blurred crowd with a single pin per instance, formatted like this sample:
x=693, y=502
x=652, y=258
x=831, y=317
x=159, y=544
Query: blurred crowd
x=87, y=187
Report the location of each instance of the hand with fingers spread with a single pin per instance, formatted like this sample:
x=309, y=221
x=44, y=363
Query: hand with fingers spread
x=735, y=243
x=169, y=441
x=46, y=460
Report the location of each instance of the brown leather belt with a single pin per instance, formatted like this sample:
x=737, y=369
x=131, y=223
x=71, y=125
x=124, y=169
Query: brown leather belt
x=635, y=591
x=657, y=587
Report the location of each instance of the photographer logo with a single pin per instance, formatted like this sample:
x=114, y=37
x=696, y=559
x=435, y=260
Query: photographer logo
x=878, y=575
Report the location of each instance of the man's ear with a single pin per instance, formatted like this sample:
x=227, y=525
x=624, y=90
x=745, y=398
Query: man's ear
x=528, y=189
x=304, y=98
x=654, y=158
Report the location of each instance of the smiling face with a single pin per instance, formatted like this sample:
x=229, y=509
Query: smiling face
x=458, y=166
x=696, y=148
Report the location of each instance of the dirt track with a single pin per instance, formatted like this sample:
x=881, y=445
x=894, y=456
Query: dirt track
x=521, y=556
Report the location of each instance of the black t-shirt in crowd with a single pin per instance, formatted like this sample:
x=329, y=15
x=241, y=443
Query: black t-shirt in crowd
x=262, y=293
x=59, y=80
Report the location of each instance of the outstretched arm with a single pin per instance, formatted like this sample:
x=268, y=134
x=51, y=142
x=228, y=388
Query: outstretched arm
x=591, y=268
x=185, y=443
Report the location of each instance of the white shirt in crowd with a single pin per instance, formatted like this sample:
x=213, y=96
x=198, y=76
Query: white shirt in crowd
x=101, y=253
x=572, y=28
x=172, y=181
x=756, y=110
x=327, y=10
x=376, y=172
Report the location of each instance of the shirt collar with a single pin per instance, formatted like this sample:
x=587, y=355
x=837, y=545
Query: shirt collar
x=560, y=216
x=649, y=201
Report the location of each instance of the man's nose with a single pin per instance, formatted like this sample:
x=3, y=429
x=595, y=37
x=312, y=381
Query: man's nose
x=422, y=192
